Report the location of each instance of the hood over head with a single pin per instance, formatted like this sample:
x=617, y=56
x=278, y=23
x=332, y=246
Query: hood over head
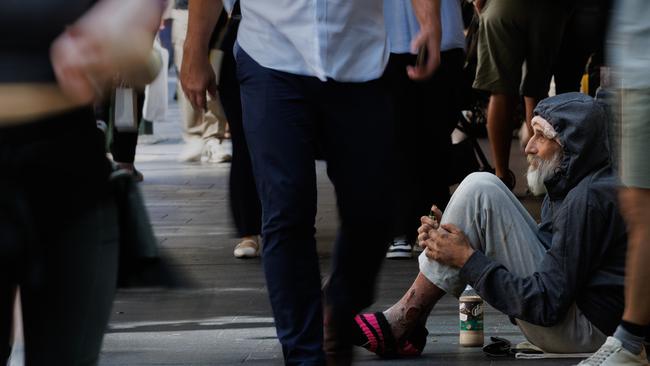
x=581, y=126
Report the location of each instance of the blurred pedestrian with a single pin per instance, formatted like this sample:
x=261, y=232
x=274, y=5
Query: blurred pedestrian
x=127, y=104
x=125, y=139
x=425, y=115
x=203, y=129
x=630, y=59
x=58, y=220
x=291, y=87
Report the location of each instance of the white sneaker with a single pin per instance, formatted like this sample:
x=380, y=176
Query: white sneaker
x=247, y=248
x=216, y=151
x=399, y=249
x=612, y=353
x=191, y=151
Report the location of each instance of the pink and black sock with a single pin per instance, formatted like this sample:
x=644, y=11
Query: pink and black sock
x=373, y=333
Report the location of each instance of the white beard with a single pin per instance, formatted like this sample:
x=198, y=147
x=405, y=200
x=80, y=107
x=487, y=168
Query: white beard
x=541, y=171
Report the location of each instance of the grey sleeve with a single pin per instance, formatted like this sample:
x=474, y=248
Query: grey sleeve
x=543, y=297
x=538, y=299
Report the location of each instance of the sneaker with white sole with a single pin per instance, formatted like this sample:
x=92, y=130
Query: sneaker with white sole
x=247, y=248
x=399, y=249
x=612, y=353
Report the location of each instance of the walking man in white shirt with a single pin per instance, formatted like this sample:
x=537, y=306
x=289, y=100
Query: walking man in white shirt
x=310, y=73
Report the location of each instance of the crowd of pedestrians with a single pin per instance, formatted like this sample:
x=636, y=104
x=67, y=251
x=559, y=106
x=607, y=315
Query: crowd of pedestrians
x=375, y=89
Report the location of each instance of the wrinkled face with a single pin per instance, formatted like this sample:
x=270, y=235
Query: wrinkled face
x=541, y=146
x=544, y=157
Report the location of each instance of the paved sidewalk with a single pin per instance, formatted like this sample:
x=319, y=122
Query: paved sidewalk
x=228, y=320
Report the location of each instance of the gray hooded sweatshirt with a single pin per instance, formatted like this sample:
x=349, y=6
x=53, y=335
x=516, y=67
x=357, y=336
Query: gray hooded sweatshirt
x=581, y=226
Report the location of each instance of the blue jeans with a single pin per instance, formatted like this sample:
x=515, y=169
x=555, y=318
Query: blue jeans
x=285, y=117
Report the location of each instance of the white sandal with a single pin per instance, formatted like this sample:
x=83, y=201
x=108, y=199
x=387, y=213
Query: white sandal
x=247, y=248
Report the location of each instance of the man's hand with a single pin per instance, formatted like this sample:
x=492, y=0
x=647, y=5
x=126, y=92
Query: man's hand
x=428, y=224
x=428, y=14
x=449, y=246
x=197, y=77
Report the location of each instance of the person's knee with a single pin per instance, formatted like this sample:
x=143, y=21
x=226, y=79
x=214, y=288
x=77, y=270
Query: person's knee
x=476, y=191
x=480, y=182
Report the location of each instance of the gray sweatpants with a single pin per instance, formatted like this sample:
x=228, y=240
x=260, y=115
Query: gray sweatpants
x=499, y=226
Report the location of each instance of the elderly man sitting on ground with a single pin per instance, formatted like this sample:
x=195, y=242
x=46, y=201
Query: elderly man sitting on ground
x=561, y=280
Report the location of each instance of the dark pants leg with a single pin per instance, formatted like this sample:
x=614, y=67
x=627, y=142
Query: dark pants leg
x=66, y=311
x=584, y=35
x=403, y=92
x=441, y=101
x=357, y=125
x=58, y=241
x=282, y=113
x=244, y=201
x=124, y=143
x=426, y=114
x=279, y=124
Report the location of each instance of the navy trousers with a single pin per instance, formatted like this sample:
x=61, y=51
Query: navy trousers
x=285, y=116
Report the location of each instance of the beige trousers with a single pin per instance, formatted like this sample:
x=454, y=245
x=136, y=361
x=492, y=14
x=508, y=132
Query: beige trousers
x=196, y=124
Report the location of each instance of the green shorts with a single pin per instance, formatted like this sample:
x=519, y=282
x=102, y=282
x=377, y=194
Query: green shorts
x=635, y=138
x=516, y=34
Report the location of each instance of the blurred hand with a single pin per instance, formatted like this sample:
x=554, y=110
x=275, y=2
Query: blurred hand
x=197, y=76
x=449, y=246
x=428, y=40
x=428, y=224
x=73, y=58
x=113, y=37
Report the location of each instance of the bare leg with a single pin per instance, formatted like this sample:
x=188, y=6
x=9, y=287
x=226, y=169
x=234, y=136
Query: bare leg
x=530, y=104
x=635, y=207
x=414, y=307
x=499, y=126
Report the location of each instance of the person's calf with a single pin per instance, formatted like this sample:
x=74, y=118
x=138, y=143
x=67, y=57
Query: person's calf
x=635, y=207
x=500, y=114
x=413, y=308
